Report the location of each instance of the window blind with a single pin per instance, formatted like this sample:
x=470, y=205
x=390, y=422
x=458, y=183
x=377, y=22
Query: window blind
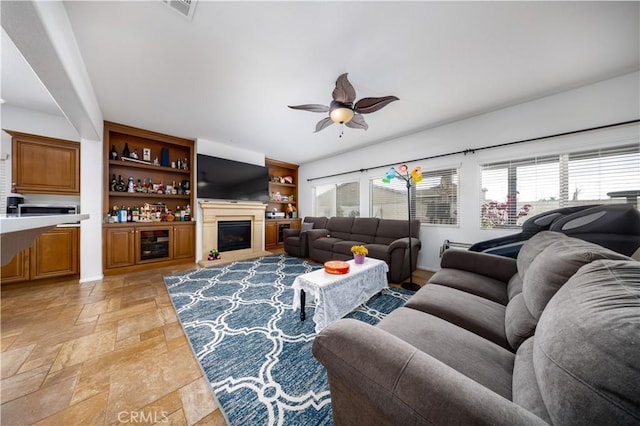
x=433, y=201
x=513, y=191
x=342, y=200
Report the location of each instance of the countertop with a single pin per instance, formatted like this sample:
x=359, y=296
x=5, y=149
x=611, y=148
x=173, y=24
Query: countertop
x=19, y=232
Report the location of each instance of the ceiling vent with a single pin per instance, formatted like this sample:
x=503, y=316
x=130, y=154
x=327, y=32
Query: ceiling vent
x=183, y=7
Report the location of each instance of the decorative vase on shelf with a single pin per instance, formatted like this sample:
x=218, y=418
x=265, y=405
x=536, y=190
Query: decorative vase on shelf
x=359, y=258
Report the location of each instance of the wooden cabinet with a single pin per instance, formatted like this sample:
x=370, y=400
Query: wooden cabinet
x=54, y=254
x=144, y=245
x=139, y=245
x=43, y=165
x=271, y=234
x=274, y=237
x=283, y=197
x=183, y=242
x=16, y=270
x=120, y=244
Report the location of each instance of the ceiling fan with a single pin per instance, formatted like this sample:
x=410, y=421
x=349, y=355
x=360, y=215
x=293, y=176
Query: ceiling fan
x=342, y=110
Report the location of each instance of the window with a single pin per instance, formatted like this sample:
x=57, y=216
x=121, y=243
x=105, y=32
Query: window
x=513, y=191
x=433, y=201
x=341, y=200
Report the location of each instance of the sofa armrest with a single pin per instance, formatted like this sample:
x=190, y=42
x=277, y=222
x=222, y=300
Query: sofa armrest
x=403, y=243
x=490, y=265
x=314, y=234
x=390, y=381
x=286, y=233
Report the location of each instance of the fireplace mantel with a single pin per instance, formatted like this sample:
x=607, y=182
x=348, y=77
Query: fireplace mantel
x=220, y=211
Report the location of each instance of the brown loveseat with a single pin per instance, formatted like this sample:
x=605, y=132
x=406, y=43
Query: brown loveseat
x=549, y=338
x=385, y=239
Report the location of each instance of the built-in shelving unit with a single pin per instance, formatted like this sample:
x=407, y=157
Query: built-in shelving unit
x=130, y=246
x=283, y=198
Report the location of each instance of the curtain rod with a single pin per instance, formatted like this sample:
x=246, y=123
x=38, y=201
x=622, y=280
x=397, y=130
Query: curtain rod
x=473, y=150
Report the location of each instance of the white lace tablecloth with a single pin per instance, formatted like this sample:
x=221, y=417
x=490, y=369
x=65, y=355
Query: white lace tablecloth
x=337, y=295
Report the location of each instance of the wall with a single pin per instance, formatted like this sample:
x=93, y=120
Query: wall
x=90, y=199
x=610, y=101
x=228, y=152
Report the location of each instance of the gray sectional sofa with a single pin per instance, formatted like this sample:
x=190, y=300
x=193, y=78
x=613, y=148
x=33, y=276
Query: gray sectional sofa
x=552, y=337
x=385, y=239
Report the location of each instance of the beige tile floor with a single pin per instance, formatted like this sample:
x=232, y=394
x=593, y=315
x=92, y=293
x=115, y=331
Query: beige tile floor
x=101, y=353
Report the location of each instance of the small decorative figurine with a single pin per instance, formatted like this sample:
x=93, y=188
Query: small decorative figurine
x=213, y=255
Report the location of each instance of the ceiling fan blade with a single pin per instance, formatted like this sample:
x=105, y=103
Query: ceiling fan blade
x=344, y=91
x=357, y=122
x=311, y=107
x=325, y=122
x=368, y=105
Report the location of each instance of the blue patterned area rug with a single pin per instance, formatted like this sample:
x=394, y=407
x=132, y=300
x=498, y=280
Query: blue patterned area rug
x=253, y=348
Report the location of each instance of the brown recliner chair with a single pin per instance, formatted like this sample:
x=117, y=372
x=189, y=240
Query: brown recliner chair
x=296, y=241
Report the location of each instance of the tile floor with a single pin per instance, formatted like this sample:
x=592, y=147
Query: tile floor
x=101, y=353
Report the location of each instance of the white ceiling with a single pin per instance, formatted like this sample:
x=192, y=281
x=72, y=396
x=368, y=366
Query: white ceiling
x=228, y=75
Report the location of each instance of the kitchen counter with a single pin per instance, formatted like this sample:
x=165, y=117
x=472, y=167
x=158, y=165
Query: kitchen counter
x=19, y=232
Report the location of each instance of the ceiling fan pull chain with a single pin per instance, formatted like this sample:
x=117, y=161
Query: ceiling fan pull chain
x=341, y=129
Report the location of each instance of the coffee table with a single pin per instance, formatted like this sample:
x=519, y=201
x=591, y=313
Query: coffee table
x=337, y=295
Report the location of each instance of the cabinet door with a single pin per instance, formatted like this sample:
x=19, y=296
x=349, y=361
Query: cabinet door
x=154, y=244
x=120, y=247
x=183, y=241
x=271, y=235
x=45, y=165
x=17, y=269
x=55, y=253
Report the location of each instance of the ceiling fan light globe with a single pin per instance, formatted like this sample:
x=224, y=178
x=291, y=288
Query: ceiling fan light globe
x=341, y=115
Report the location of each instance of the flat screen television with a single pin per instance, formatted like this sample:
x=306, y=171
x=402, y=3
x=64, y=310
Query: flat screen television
x=222, y=179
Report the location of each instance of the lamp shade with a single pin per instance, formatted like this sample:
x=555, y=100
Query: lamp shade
x=341, y=115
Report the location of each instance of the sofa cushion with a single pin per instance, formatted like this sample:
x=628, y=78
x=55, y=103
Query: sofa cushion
x=325, y=243
x=319, y=222
x=518, y=321
x=379, y=251
x=474, y=313
x=475, y=357
x=555, y=265
x=533, y=247
x=306, y=226
x=344, y=247
x=514, y=286
x=364, y=229
x=525, y=387
x=586, y=347
x=340, y=227
x=390, y=230
x=480, y=285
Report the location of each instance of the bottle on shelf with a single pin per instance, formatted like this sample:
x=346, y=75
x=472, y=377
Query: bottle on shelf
x=129, y=215
x=130, y=186
x=125, y=152
x=187, y=213
x=114, y=182
x=114, y=153
x=135, y=214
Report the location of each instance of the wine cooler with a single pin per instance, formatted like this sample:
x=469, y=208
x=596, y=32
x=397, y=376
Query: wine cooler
x=154, y=244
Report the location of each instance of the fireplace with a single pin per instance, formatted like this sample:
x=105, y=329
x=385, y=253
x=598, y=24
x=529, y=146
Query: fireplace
x=234, y=235
x=246, y=244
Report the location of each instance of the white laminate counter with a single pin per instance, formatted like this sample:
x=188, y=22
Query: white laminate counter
x=19, y=232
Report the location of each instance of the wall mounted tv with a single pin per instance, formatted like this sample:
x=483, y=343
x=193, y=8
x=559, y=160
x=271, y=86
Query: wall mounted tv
x=222, y=179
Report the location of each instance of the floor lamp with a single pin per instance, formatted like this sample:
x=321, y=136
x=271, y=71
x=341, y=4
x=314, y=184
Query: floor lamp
x=414, y=177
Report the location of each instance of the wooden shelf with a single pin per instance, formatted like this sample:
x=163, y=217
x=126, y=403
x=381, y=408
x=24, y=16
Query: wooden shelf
x=143, y=166
x=148, y=195
x=290, y=185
